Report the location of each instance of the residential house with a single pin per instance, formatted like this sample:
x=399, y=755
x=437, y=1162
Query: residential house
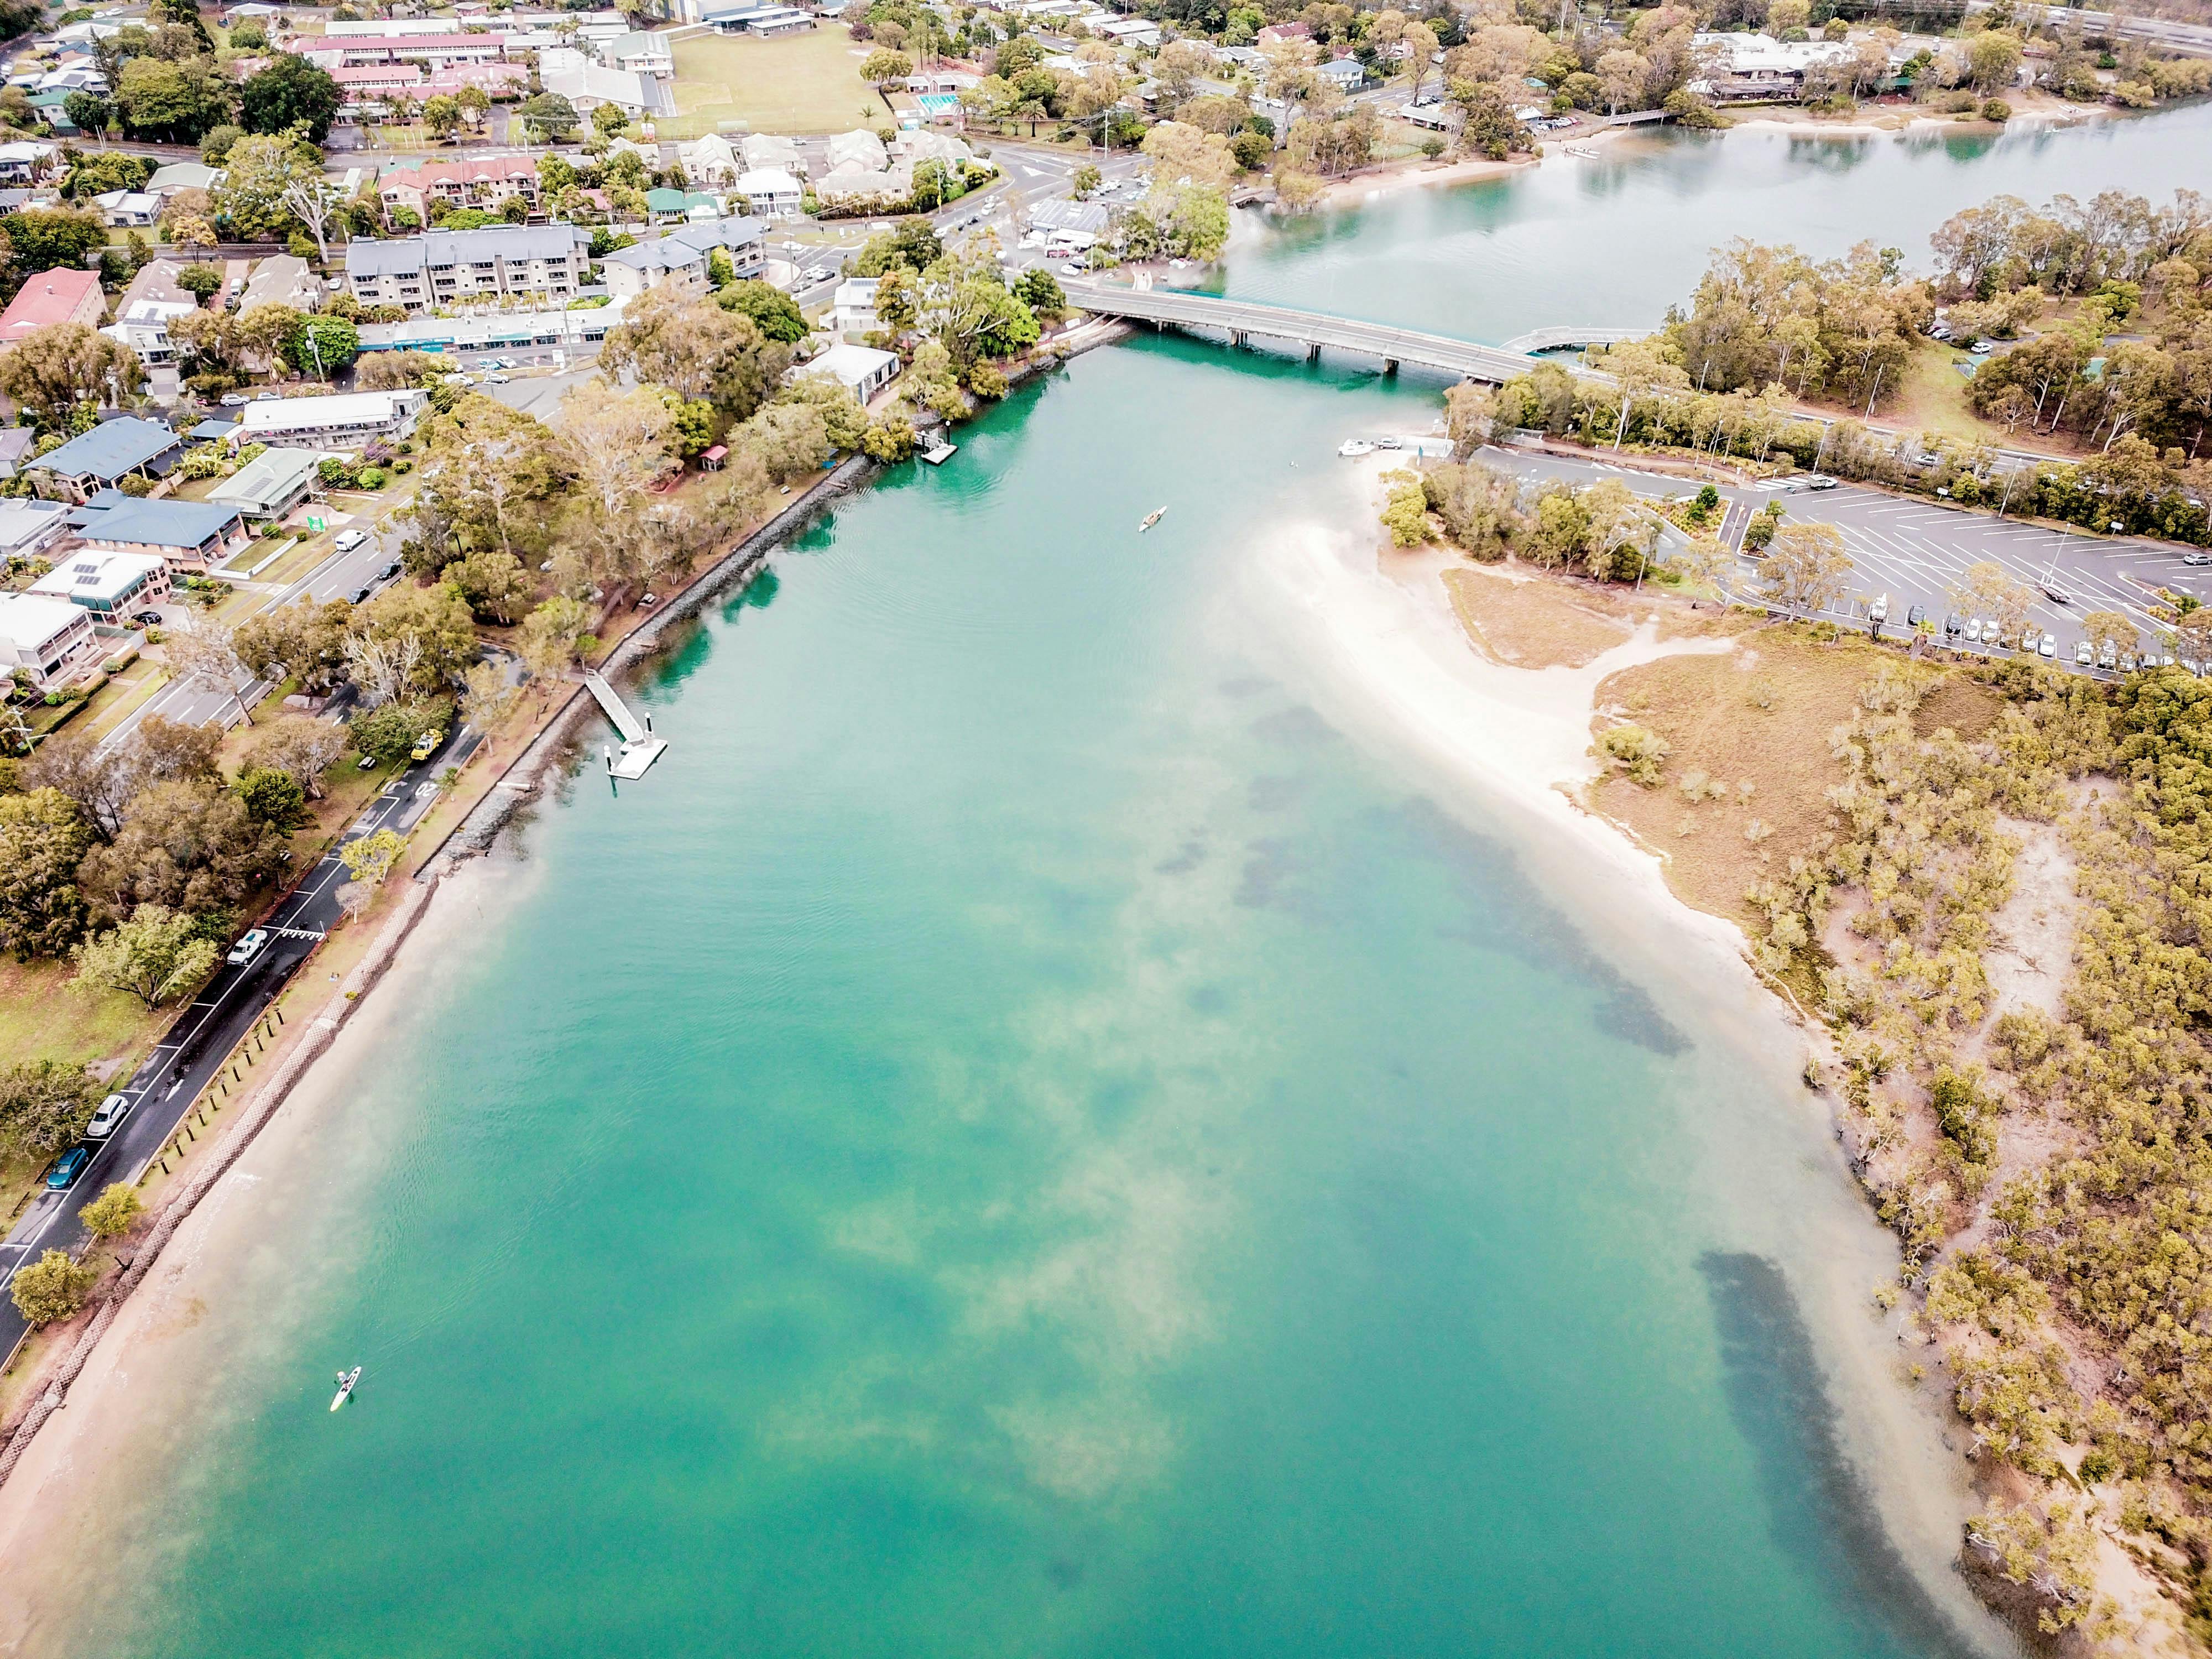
x=859, y=150
x=28, y=527
x=59, y=296
x=772, y=193
x=687, y=251
x=282, y=279
x=24, y=162
x=1347, y=73
x=108, y=585
x=1276, y=33
x=856, y=189
x=347, y=420
x=853, y=309
x=1744, y=68
x=440, y=267
x=182, y=175
x=1132, y=32
x=768, y=150
x=16, y=443
x=369, y=28
x=192, y=536
x=52, y=106
x=114, y=449
x=712, y=160
x=144, y=310
x=666, y=203
x=272, y=484
x=863, y=370
x=49, y=638
x=136, y=207
x=490, y=182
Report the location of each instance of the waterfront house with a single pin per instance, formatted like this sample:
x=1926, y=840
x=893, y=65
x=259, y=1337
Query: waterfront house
x=111, y=586
x=862, y=370
x=111, y=451
x=853, y=309
x=49, y=638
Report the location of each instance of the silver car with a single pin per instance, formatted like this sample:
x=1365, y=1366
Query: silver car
x=112, y=1110
x=2049, y=646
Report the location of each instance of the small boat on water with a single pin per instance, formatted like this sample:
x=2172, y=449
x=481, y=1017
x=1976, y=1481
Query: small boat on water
x=346, y=1381
x=1150, y=518
x=1355, y=446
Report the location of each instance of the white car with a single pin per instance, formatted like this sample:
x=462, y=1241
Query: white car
x=248, y=947
x=112, y=1110
x=235, y=400
x=496, y=379
x=2049, y=646
x=1071, y=271
x=349, y=539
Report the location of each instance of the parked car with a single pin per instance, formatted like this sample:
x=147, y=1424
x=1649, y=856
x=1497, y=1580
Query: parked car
x=1974, y=631
x=2197, y=559
x=267, y=396
x=112, y=1110
x=496, y=379
x=388, y=572
x=1071, y=271
x=235, y=400
x=2085, y=654
x=147, y=618
x=426, y=745
x=1954, y=625
x=1917, y=616
x=360, y=595
x=349, y=539
x=1878, y=612
x=248, y=947
x=67, y=1168
x=2049, y=646
x=2109, y=658
x=1820, y=481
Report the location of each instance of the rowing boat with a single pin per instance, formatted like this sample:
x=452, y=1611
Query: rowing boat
x=1150, y=518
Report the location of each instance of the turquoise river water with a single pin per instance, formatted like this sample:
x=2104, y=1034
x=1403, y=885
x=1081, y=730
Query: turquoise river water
x=1039, y=1130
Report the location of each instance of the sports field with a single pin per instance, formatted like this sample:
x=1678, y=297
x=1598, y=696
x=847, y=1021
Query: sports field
x=798, y=84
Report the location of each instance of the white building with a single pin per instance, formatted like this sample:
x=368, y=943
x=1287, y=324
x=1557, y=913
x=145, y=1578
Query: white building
x=50, y=637
x=858, y=151
x=111, y=586
x=863, y=370
x=346, y=421
x=769, y=149
x=853, y=311
x=28, y=526
x=712, y=160
x=128, y=207
x=589, y=86
x=772, y=193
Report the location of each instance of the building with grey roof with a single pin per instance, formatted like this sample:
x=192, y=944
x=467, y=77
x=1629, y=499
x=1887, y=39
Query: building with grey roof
x=687, y=251
x=441, y=266
x=113, y=449
x=190, y=535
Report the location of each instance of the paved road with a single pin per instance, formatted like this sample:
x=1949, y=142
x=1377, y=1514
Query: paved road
x=2191, y=37
x=184, y=1065
x=1915, y=551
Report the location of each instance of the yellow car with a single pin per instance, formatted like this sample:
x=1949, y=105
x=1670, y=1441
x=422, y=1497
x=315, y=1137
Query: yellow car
x=426, y=745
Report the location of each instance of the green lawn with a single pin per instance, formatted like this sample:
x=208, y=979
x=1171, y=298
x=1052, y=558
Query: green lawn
x=798, y=83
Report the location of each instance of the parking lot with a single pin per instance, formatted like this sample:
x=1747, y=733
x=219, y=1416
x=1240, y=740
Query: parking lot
x=1917, y=552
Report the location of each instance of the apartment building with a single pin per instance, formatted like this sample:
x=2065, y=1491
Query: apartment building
x=441, y=266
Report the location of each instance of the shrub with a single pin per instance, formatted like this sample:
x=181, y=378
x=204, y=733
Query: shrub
x=1997, y=110
x=1637, y=750
x=52, y=1288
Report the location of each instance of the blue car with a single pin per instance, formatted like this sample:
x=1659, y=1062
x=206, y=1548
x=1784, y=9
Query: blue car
x=67, y=1168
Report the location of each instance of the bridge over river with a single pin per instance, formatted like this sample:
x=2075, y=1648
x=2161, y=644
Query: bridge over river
x=1243, y=319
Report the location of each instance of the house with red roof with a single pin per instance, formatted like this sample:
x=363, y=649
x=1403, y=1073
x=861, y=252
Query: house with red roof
x=59, y=296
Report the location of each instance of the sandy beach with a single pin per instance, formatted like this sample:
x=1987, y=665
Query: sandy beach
x=1362, y=186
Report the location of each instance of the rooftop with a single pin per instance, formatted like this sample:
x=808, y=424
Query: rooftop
x=52, y=296
x=345, y=409
x=156, y=523
x=31, y=619
x=110, y=450
x=368, y=257
x=96, y=576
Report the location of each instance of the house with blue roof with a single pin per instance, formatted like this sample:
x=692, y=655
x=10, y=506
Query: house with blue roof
x=189, y=535
x=111, y=451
